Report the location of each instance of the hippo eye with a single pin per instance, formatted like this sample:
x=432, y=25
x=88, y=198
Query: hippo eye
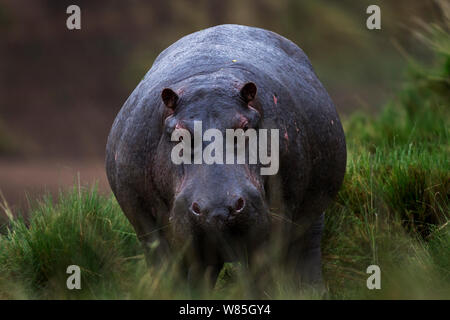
x=244, y=126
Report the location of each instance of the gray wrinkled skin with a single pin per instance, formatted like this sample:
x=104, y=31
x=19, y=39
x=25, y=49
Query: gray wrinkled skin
x=207, y=70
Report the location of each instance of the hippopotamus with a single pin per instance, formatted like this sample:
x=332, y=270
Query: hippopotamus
x=228, y=77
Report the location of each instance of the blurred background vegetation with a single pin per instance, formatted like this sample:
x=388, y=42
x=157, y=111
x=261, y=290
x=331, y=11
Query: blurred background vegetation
x=60, y=90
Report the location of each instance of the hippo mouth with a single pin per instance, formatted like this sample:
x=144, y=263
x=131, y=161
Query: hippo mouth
x=220, y=208
x=230, y=238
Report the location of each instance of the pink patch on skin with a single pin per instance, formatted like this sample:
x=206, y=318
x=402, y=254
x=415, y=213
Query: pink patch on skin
x=181, y=185
x=115, y=156
x=275, y=100
x=237, y=85
x=286, y=137
x=252, y=178
x=179, y=125
x=251, y=107
x=242, y=120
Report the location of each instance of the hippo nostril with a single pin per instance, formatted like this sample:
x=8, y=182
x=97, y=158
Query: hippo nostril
x=240, y=204
x=196, y=208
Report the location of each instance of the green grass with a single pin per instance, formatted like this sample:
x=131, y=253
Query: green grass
x=392, y=211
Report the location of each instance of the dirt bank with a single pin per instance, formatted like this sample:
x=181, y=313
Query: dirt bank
x=22, y=179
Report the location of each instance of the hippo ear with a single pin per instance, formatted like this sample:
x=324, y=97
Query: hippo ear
x=170, y=98
x=248, y=92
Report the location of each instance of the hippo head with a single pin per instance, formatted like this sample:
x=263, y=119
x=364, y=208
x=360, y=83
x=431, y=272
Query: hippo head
x=216, y=192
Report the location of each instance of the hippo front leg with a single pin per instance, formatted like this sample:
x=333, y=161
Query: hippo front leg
x=304, y=257
x=148, y=229
x=203, y=277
